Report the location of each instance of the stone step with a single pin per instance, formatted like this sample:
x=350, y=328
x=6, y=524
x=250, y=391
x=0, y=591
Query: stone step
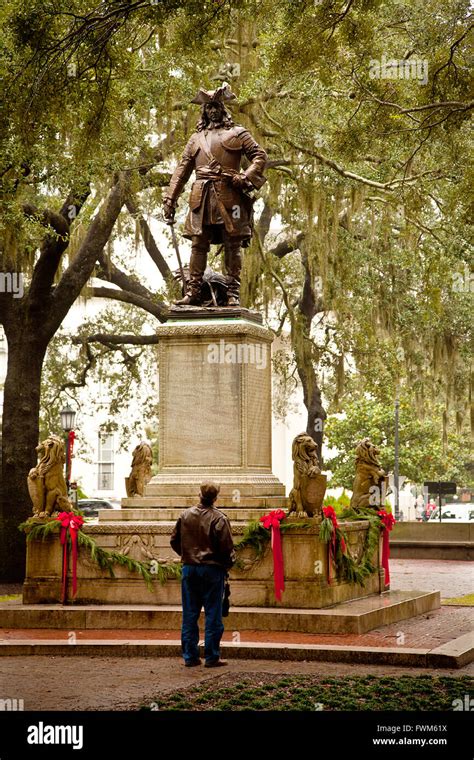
x=451, y=656
x=230, y=651
x=356, y=616
x=224, y=502
x=230, y=486
x=166, y=515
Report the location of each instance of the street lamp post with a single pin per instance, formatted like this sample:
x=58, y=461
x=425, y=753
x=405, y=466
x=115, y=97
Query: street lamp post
x=68, y=419
x=395, y=464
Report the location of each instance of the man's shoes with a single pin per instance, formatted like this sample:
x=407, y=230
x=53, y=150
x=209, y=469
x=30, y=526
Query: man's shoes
x=192, y=663
x=233, y=300
x=215, y=664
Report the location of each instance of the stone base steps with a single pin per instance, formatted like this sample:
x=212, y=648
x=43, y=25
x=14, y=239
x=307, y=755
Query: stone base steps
x=157, y=512
x=454, y=654
x=249, y=485
x=357, y=616
x=226, y=503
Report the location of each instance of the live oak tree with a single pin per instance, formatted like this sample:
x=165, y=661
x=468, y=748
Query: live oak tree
x=361, y=229
x=75, y=120
x=372, y=241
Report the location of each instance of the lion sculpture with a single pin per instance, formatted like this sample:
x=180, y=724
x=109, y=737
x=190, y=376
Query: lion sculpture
x=309, y=485
x=371, y=481
x=46, y=482
x=140, y=474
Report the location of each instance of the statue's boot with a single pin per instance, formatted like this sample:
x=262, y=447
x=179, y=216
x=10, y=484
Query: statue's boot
x=233, y=262
x=197, y=266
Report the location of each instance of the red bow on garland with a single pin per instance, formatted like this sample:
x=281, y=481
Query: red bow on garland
x=330, y=514
x=388, y=521
x=272, y=522
x=72, y=522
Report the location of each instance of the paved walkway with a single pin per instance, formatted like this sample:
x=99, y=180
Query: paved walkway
x=452, y=578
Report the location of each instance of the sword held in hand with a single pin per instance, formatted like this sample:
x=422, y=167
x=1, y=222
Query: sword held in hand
x=170, y=223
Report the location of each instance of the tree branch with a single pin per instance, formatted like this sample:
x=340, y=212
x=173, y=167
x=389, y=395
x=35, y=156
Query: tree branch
x=125, y=296
x=81, y=383
x=74, y=202
x=110, y=273
x=80, y=269
x=52, y=248
x=149, y=240
x=133, y=340
x=387, y=186
x=48, y=218
x=287, y=246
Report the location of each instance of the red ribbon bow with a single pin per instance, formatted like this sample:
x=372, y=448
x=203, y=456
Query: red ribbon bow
x=69, y=521
x=272, y=522
x=388, y=521
x=330, y=513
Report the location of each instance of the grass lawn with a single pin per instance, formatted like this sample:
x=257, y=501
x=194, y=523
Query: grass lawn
x=467, y=600
x=9, y=597
x=265, y=691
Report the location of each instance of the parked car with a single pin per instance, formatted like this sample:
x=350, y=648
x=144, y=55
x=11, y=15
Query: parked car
x=454, y=513
x=91, y=507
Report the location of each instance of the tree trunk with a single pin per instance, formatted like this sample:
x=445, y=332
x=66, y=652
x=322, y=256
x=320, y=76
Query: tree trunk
x=20, y=429
x=313, y=403
x=309, y=305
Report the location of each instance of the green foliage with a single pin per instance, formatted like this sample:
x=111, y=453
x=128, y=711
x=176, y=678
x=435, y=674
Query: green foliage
x=40, y=530
x=106, y=560
x=257, y=538
x=422, y=454
x=266, y=691
x=368, y=178
x=339, y=504
x=116, y=382
x=326, y=530
x=346, y=567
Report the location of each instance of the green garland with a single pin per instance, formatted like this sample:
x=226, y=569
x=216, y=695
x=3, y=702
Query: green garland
x=255, y=537
x=350, y=570
x=105, y=559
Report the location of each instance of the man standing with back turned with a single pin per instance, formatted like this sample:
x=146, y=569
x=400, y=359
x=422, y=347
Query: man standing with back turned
x=203, y=538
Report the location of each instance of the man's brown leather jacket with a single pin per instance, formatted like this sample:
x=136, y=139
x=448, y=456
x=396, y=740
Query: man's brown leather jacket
x=203, y=536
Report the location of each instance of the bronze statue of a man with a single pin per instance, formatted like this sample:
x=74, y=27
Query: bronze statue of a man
x=220, y=204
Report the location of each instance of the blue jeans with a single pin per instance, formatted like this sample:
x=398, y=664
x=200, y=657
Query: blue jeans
x=202, y=586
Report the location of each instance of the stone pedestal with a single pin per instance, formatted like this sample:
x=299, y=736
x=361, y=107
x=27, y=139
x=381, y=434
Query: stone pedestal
x=215, y=413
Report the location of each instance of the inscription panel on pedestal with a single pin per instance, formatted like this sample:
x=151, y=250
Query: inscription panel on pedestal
x=259, y=416
x=200, y=408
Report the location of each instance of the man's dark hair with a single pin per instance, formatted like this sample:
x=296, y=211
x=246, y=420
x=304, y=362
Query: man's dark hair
x=209, y=493
x=204, y=121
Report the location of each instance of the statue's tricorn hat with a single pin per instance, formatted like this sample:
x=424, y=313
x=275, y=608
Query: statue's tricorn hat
x=220, y=95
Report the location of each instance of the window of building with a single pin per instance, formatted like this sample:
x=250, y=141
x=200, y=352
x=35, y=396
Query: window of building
x=106, y=462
